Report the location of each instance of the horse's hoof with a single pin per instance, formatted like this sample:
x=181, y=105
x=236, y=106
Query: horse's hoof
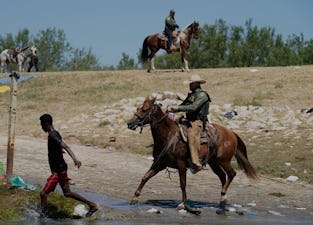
x=134, y=201
x=180, y=206
x=191, y=210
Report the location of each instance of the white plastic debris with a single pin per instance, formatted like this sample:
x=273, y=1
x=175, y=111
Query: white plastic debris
x=154, y=210
x=80, y=210
x=292, y=178
x=287, y=163
x=252, y=204
x=274, y=213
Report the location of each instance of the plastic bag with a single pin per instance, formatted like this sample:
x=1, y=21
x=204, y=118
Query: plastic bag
x=18, y=182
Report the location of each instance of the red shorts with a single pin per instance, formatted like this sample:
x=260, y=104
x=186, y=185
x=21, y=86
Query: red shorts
x=54, y=179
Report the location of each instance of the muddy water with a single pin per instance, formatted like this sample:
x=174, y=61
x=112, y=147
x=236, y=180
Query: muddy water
x=155, y=212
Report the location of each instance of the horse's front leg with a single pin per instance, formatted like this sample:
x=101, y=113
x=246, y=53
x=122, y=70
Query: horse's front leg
x=184, y=61
x=151, y=172
x=2, y=67
x=151, y=65
x=20, y=69
x=182, y=169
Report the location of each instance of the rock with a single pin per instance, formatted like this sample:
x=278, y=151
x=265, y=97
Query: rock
x=287, y=163
x=253, y=70
x=292, y=178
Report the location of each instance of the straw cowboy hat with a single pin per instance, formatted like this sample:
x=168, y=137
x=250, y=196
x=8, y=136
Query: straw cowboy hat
x=195, y=78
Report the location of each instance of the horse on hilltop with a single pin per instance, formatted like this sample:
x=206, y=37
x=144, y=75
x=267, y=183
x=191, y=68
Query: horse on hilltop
x=7, y=57
x=170, y=149
x=153, y=43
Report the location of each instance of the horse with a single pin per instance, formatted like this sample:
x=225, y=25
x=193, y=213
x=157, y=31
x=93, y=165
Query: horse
x=171, y=150
x=153, y=43
x=6, y=57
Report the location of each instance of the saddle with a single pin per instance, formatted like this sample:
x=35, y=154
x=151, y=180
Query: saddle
x=163, y=37
x=209, y=136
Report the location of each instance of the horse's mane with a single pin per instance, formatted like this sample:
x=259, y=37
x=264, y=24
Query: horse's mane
x=23, y=49
x=186, y=27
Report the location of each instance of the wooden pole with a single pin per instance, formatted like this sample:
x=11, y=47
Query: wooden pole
x=11, y=130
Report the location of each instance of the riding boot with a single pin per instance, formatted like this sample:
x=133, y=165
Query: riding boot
x=194, y=145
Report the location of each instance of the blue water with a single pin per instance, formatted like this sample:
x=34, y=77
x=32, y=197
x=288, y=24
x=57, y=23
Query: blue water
x=119, y=212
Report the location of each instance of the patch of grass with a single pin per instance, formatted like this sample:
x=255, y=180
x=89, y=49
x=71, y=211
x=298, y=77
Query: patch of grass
x=13, y=201
x=246, y=101
x=278, y=84
x=104, y=123
x=277, y=194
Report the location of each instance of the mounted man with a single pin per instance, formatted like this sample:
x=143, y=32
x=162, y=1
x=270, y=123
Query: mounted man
x=196, y=106
x=170, y=26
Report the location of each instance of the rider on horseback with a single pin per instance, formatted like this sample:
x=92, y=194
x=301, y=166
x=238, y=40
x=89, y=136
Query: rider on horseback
x=196, y=106
x=170, y=26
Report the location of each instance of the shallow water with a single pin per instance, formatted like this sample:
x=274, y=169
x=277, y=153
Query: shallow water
x=155, y=212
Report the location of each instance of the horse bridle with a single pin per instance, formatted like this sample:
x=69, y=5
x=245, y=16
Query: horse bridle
x=193, y=30
x=147, y=114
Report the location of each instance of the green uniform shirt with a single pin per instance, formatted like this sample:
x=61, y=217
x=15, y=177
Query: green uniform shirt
x=170, y=23
x=196, y=105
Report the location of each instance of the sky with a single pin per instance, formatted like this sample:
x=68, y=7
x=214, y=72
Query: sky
x=113, y=27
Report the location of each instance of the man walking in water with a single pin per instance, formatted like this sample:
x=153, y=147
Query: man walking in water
x=58, y=167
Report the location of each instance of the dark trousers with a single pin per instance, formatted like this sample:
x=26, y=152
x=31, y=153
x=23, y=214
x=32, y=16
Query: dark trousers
x=169, y=35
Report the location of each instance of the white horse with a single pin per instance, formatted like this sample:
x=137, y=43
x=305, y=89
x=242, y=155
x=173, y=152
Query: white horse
x=7, y=57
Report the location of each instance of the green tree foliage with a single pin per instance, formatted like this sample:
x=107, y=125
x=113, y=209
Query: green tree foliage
x=53, y=49
x=126, y=63
x=222, y=45
x=82, y=60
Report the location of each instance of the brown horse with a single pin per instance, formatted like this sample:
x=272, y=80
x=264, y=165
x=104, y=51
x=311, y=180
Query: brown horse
x=170, y=150
x=155, y=42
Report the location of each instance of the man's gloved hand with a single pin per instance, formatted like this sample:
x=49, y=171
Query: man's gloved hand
x=173, y=108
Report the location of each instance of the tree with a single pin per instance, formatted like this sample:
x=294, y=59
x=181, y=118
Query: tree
x=236, y=47
x=22, y=39
x=82, y=60
x=52, y=49
x=251, y=44
x=126, y=63
x=307, y=52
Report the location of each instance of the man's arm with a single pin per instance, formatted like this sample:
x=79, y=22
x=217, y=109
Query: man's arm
x=201, y=99
x=70, y=152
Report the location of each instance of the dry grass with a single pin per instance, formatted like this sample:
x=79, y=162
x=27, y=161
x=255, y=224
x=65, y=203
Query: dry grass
x=68, y=94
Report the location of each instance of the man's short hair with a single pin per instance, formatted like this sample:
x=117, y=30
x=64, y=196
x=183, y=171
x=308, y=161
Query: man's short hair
x=46, y=119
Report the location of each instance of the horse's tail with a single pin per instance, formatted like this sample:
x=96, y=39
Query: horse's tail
x=242, y=159
x=145, y=51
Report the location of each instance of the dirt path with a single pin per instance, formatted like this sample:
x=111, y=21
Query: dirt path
x=117, y=174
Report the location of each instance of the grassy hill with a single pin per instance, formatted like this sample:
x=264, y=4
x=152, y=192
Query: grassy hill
x=88, y=109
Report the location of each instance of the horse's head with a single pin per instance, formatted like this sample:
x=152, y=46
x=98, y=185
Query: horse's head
x=33, y=50
x=145, y=114
x=194, y=29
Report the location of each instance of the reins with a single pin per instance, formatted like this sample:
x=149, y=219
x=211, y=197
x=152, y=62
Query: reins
x=144, y=118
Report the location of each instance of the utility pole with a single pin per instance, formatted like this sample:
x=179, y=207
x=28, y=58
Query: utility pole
x=11, y=130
